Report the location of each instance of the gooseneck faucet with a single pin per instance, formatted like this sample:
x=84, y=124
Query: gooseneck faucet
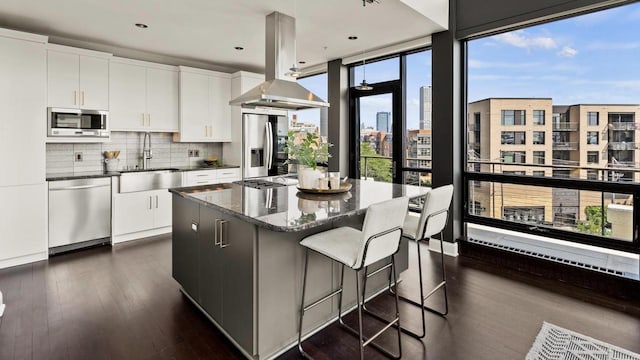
x=146, y=151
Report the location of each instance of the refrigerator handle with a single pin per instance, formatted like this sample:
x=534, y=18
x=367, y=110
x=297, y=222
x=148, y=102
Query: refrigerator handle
x=270, y=146
x=267, y=142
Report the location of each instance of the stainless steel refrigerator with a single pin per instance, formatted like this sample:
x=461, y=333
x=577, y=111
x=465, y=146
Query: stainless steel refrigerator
x=264, y=137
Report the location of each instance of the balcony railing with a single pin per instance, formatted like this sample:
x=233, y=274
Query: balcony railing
x=624, y=146
x=565, y=126
x=565, y=162
x=624, y=126
x=564, y=145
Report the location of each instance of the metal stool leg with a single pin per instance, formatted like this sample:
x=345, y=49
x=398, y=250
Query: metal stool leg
x=361, y=308
x=304, y=287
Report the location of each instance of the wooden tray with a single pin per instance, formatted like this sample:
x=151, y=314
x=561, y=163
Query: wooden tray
x=344, y=187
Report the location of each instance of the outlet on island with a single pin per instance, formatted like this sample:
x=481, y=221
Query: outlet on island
x=78, y=156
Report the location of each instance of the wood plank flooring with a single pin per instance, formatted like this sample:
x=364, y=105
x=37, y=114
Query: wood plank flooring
x=122, y=303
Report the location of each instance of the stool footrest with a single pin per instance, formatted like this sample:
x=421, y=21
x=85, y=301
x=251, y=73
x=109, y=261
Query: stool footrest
x=317, y=302
x=434, y=290
x=367, y=340
x=379, y=270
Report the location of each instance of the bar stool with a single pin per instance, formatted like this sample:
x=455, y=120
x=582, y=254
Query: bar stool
x=432, y=221
x=379, y=239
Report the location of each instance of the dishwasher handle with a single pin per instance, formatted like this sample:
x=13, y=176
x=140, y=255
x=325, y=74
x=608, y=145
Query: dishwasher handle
x=78, y=187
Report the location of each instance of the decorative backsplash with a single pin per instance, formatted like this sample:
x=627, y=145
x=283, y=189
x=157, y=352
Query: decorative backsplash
x=62, y=158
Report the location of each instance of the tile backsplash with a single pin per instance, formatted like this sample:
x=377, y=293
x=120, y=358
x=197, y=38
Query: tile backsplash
x=61, y=158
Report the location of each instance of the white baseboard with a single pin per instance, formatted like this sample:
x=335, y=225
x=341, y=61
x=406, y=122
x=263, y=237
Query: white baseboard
x=140, y=234
x=450, y=249
x=21, y=260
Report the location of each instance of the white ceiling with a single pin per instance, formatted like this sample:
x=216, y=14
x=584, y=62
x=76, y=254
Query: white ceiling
x=208, y=30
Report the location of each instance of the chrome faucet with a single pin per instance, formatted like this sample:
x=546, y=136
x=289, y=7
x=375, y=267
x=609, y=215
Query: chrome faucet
x=146, y=151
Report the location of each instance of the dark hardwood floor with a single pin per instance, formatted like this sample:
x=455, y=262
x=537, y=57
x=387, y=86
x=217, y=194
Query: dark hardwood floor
x=122, y=303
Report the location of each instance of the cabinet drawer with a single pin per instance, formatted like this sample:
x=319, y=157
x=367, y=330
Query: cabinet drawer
x=226, y=175
x=201, y=177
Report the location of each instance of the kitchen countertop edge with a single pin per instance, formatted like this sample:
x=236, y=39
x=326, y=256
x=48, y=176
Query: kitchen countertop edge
x=99, y=174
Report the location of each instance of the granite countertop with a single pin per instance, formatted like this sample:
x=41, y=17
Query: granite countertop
x=98, y=174
x=287, y=209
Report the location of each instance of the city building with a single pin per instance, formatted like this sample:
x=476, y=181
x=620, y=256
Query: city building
x=425, y=108
x=521, y=136
x=419, y=148
x=383, y=121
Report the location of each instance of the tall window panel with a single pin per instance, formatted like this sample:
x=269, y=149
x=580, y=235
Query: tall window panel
x=570, y=89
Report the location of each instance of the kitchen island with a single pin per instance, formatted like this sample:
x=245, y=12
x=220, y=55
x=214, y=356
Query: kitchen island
x=237, y=256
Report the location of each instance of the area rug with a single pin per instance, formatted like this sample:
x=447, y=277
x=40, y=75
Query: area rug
x=556, y=343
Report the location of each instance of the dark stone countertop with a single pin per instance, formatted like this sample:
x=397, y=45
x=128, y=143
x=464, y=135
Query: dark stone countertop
x=287, y=209
x=98, y=174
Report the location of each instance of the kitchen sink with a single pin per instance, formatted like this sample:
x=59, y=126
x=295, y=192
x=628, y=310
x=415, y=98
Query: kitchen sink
x=150, y=179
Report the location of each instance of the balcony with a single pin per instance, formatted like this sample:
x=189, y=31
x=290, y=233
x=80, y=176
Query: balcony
x=565, y=126
x=624, y=126
x=624, y=146
x=565, y=145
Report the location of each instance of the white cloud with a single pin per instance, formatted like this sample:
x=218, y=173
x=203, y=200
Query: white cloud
x=521, y=39
x=568, y=51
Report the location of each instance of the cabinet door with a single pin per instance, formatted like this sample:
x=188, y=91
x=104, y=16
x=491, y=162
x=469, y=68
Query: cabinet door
x=63, y=79
x=162, y=208
x=133, y=212
x=23, y=221
x=184, y=245
x=210, y=266
x=23, y=102
x=237, y=280
x=220, y=111
x=162, y=99
x=194, y=107
x=127, y=97
x=94, y=83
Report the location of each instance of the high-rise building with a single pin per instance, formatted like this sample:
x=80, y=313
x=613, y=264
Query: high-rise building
x=425, y=108
x=383, y=121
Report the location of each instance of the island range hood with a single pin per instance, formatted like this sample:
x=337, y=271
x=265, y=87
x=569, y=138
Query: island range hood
x=280, y=90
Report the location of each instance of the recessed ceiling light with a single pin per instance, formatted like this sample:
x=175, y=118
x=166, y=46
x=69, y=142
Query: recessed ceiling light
x=353, y=37
x=239, y=48
x=302, y=62
x=142, y=26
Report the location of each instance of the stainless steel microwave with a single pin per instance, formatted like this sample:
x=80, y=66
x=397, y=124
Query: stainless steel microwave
x=77, y=123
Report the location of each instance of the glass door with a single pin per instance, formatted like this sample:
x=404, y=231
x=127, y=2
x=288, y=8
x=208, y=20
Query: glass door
x=377, y=151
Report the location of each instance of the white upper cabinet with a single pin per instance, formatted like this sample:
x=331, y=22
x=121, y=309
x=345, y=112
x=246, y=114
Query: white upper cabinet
x=24, y=111
x=205, y=114
x=77, y=78
x=144, y=96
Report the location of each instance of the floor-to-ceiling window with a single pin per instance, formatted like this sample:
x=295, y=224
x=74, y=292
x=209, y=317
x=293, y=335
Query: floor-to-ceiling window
x=553, y=134
x=392, y=119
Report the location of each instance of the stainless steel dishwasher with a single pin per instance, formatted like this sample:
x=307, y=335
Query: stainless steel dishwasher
x=79, y=213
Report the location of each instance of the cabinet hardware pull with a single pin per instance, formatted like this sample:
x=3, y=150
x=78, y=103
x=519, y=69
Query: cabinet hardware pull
x=75, y=97
x=156, y=201
x=222, y=244
x=82, y=96
x=215, y=232
x=150, y=203
x=194, y=226
x=142, y=119
x=149, y=117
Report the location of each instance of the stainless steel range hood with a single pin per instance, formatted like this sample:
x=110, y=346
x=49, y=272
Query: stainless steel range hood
x=280, y=90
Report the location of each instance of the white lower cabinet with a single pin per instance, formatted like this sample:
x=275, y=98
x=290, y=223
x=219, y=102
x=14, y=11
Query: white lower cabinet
x=23, y=219
x=207, y=177
x=141, y=211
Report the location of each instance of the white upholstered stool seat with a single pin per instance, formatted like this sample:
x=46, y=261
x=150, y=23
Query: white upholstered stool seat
x=410, y=227
x=340, y=244
x=379, y=239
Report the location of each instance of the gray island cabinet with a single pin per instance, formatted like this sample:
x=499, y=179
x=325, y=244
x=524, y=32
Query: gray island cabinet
x=237, y=256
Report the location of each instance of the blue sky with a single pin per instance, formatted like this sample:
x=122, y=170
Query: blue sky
x=589, y=59
x=592, y=58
